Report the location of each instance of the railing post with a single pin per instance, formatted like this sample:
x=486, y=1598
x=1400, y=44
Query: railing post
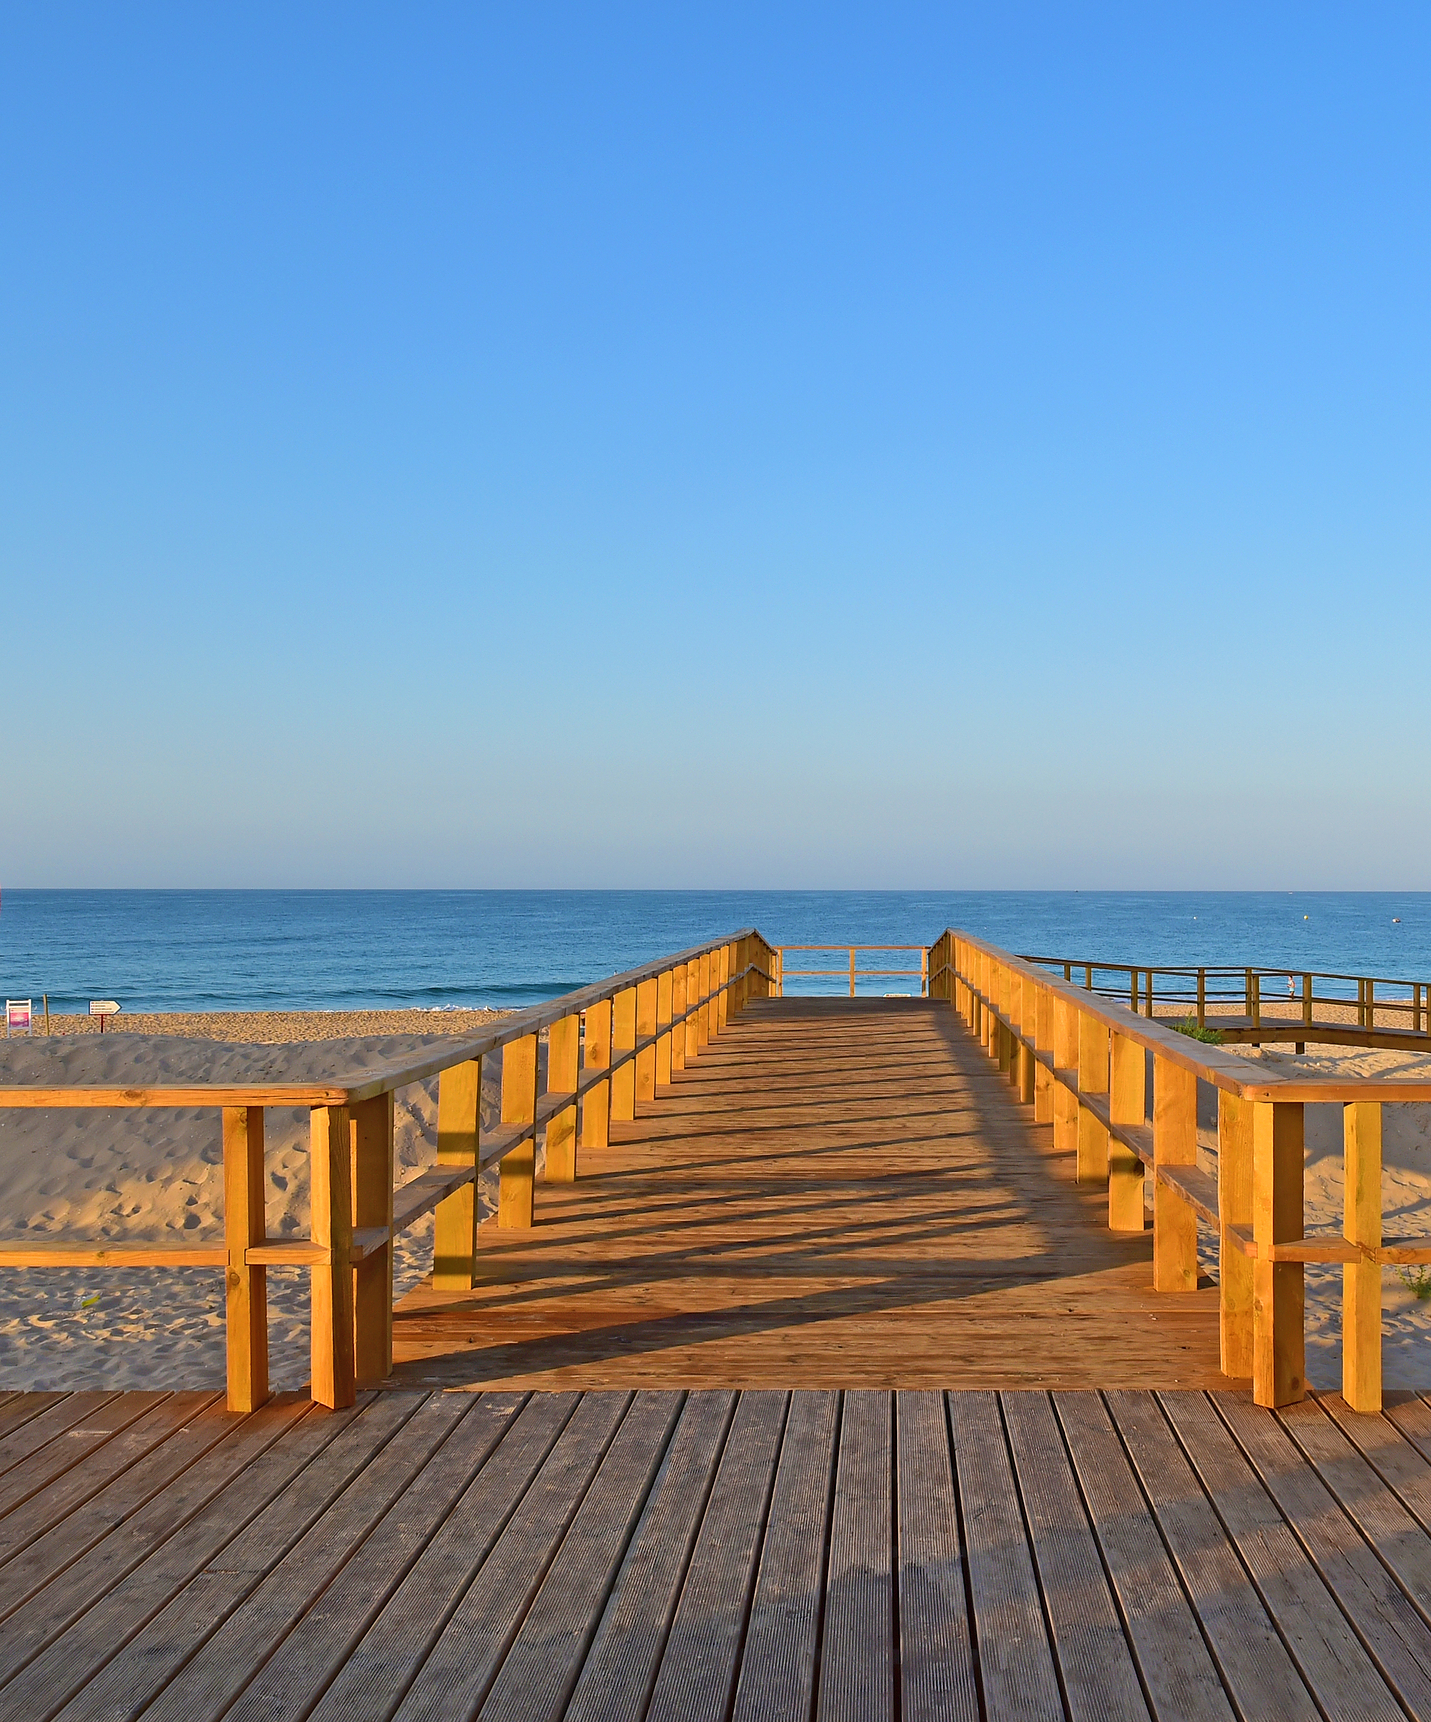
x=646, y=994
x=1307, y=1000
x=596, y=1055
x=1256, y=1000
x=705, y=1023
x=679, y=976
x=924, y=974
x=245, y=1228
x=517, y=1169
x=1234, y=1208
x=372, y=1137
x=1006, y=1042
x=1247, y=994
x=1361, y=1281
x=852, y=971
x=1024, y=986
x=664, y=991
x=1174, y=1144
x=1202, y=998
x=1092, y=1079
x=721, y=1011
x=623, y=1040
x=1065, y=1059
x=1279, y=1370
x=459, y=1107
x=693, y=1022
x=1149, y=1011
x=1127, y=1104
x=563, y=1053
x=1043, y=1037
x=330, y=1183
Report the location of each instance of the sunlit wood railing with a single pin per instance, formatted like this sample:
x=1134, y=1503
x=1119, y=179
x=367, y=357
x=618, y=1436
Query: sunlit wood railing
x=1080, y=1062
x=608, y=1047
x=852, y=970
x=1262, y=1004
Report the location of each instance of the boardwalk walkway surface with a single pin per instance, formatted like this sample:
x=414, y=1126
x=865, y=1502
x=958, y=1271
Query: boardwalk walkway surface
x=662, y=1555
x=838, y=1193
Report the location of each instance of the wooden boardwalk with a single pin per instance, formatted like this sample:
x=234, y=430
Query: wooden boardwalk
x=838, y=1193
x=664, y=1555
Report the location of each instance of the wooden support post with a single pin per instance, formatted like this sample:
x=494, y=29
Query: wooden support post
x=1092, y=1079
x=703, y=1014
x=1307, y=1000
x=623, y=1039
x=721, y=1003
x=1361, y=1281
x=664, y=990
x=1065, y=1058
x=245, y=1228
x=1127, y=1104
x=646, y=993
x=1174, y=1144
x=852, y=971
x=1234, y=1208
x=459, y=1107
x=518, y=1169
x=563, y=1053
x=372, y=1174
x=679, y=976
x=1043, y=1034
x=596, y=1055
x=1279, y=1370
x=1202, y=998
x=331, y=1335
x=693, y=993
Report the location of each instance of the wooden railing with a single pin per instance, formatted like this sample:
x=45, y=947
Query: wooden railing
x=1080, y=1062
x=782, y=974
x=608, y=1046
x=1261, y=1004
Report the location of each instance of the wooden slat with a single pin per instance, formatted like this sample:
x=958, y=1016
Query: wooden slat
x=1197, y=1189
x=1251, y=1656
x=1384, y=1619
x=421, y=1195
x=1332, y=1660
x=542, y=1667
x=262, y=1615
x=288, y=1253
x=1016, y=1668
x=115, y=1256
x=1178, y=1674
x=936, y=1662
x=777, y=1672
x=65, y=1413
x=19, y=1408
x=701, y=1659
x=620, y=1669
x=1094, y=1657
x=460, y=1668
x=375, y=1676
x=81, y=1443
x=857, y=1667
x=203, y=1591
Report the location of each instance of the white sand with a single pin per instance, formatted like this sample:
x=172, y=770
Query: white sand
x=156, y=1176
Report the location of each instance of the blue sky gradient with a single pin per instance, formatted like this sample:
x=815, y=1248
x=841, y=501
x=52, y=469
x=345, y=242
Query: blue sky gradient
x=802, y=447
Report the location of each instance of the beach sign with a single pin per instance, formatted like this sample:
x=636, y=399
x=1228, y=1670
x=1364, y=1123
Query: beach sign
x=18, y=1017
x=103, y=1008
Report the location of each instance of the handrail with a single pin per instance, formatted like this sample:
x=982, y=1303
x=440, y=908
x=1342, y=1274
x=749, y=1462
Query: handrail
x=782, y=974
x=1081, y=1063
x=609, y=1044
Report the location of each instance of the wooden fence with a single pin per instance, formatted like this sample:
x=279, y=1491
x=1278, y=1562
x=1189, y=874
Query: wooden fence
x=1080, y=1061
x=608, y=1045
x=1262, y=1004
x=855, y=973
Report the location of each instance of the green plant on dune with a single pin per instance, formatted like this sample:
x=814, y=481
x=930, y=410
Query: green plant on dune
x=1417, y=1280
x=1194, y=1031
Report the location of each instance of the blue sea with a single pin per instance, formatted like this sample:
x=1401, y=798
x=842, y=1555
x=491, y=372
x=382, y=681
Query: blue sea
x=343, y=950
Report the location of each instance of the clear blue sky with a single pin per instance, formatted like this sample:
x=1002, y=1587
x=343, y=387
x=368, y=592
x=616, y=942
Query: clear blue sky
x=749, y=446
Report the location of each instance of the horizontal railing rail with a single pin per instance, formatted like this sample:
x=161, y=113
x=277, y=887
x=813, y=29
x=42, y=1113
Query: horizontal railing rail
x=608, y=1046
x=1081, y=1062
x=854, y=973
x=1263, y=1011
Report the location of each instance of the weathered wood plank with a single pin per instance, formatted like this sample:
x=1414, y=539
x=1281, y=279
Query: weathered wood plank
x=1016, y=1667
x=777, y=1671
x=936, y=1661
x=82, y=1443
x=620, y=1669
x=460, y=1668
x=1179, y=1676
x=857, y=1662
x=1094, y=1657
x=67, y=1412
x=701, y=1660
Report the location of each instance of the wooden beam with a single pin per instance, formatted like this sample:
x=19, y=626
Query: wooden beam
x=1174, y=1145
x=563, y=1074
x=1361, y=1280
x=1127, y=1104
x=596, y=1057
x=459, y=1109
x=1092, y=1079
x=246, y=1286
x=1234, y=1204
x=517, y=1170
x=646, y=997
x=372, y=1174
x=623, y=1039
x=330, y=1151
x=664, y=988
x=1279, y=1370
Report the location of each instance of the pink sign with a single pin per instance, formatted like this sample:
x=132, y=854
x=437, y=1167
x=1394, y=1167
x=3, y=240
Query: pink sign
x=17, y=1016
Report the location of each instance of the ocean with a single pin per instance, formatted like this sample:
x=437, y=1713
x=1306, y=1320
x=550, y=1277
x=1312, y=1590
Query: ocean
x=346, y=950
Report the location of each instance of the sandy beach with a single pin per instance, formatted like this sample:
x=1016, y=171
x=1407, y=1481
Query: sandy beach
x=157, y=1176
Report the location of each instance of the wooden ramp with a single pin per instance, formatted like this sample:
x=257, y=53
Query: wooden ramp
x=838, y=1193
x=614, y=1556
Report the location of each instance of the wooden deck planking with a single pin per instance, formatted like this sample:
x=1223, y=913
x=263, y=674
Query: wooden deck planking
x=759, y=1555
x=835, y=1194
